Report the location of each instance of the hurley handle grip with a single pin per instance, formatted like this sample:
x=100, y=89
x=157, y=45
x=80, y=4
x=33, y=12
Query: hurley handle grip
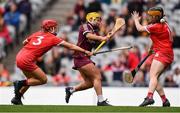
x=109, y=35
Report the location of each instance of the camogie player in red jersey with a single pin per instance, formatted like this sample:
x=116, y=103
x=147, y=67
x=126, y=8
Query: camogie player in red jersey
x=34, y=47
x=162, y=40
x=88, y=37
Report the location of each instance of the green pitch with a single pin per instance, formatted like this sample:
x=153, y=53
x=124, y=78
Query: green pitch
x=83, y=109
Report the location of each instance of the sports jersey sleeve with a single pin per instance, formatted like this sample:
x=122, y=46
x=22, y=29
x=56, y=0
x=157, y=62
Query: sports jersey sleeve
x=33, y=35
x=85, y=29
x=29, y=38
x=57, y=41
x=151, y=28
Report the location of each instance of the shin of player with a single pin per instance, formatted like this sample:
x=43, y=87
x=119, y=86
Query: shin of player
x=160, y=35
x=88, y=37
x=34, y=47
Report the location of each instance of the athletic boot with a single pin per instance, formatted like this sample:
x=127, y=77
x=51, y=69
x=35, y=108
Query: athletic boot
x=17, y=87
x=68, y=94
x=16, y=101
x=146, y=102
x=103, y=103
x=166, y=103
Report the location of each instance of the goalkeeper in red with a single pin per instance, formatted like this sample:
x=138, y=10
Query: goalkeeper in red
x=162, y=40
x=88, y=37
x=34, y=47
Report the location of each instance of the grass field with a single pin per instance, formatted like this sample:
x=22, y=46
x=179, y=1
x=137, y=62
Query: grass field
x=83, y=109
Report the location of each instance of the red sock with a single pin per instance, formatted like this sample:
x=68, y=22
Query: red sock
x=163, y=98
x=150, y=95
x=24, y=82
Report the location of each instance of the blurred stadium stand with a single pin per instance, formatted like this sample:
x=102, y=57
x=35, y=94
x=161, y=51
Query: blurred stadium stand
x=58, y=63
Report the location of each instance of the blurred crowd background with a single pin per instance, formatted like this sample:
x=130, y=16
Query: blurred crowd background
x=17, y=18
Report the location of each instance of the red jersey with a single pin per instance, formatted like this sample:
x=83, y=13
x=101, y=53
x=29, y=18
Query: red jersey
x=37, y=44
x=40, y=42
x=160, y=35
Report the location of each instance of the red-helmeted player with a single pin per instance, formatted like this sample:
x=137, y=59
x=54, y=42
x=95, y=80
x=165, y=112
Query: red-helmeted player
x=160, y=35
x=35, y=46
x=88, y=37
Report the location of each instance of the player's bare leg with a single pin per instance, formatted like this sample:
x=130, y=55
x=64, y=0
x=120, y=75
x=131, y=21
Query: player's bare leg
x=161, y=93
x=156, y=69
x=25, y=88
x=37, y=77
x=93, y=74
x=85, y=84
x=30, y=77
x=17, y=99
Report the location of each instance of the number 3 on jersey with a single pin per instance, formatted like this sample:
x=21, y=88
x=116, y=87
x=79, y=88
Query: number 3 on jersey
x=39, y=40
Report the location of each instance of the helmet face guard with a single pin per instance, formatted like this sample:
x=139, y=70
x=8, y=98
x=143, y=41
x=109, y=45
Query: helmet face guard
x=94, y=18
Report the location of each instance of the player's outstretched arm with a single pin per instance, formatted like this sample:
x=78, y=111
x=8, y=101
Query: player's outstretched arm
x=76, y=48
x=96, y=37
x=136, y=18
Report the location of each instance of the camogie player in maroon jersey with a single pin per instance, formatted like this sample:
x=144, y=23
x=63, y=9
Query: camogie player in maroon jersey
x=34, y=47
x=88, y=37
x=162, y=40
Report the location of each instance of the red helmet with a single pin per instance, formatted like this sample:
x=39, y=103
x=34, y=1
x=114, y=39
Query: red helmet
x=48, y=23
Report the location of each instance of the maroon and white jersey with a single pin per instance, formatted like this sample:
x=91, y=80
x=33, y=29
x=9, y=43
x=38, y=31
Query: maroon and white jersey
x=80, y=59
x=83, y=41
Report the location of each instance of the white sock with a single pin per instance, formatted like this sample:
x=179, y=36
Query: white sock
x=100, y=98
